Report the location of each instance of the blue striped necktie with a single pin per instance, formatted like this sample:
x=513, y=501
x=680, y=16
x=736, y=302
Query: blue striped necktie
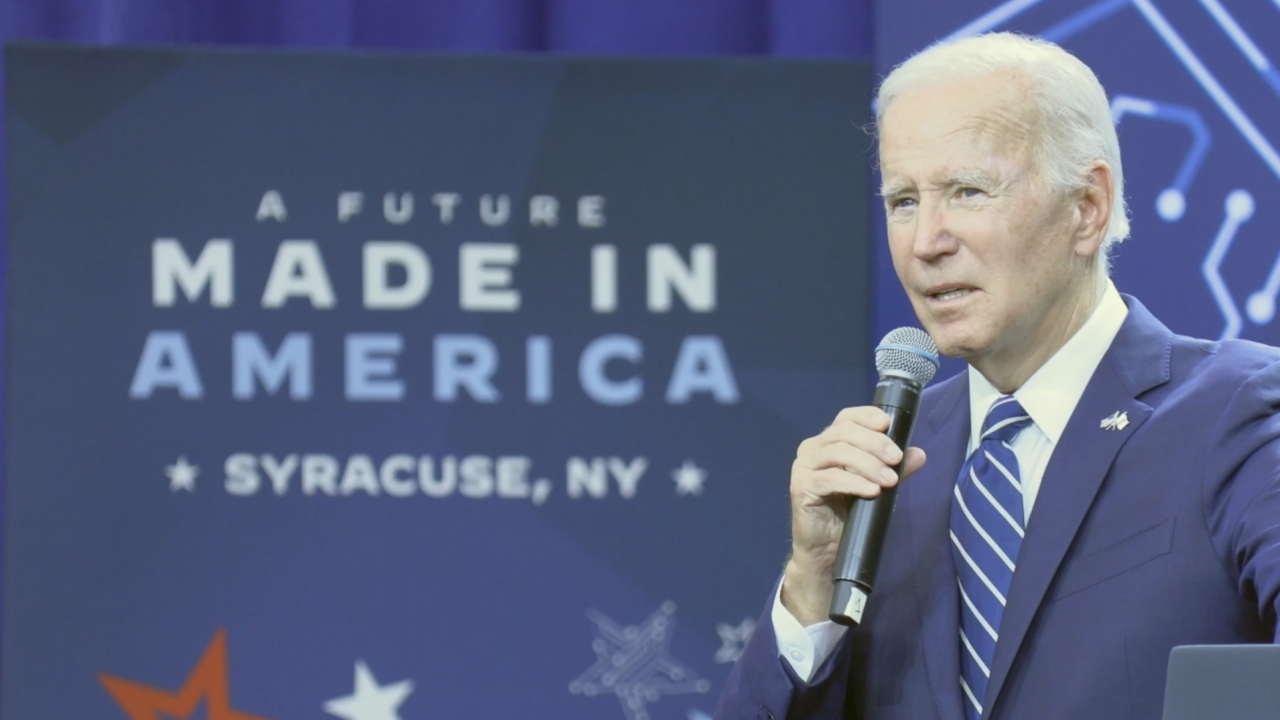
x=986, y=532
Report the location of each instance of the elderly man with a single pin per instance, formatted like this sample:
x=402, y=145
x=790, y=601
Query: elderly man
x=1097, y=489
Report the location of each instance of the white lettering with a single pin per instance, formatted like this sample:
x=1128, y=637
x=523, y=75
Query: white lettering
x=591, y=211
x=476, y=472
x=379, y=256
x=271, y=207
x=319, y=472
x=359, y=475
x=446, y=202
x=391, y=475
x=604, y=278
x=298, y=271
x=484, y=280
x=397, y=215
x=696, y=282
x=279, y=472
x=242, y=475
x=171, y=268
x=544, y=210
x=492, y=214
x=590, y=478
x=627, y=474
x=350, y=204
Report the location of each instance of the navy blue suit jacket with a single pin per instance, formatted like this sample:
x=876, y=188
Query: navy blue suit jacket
x=1164, y=533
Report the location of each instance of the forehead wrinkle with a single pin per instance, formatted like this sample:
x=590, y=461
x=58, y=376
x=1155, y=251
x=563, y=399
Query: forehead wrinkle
x=1002, y=127
x=1000, y=133
x=998, y=122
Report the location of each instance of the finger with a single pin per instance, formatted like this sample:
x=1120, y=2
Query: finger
x=860, y=436
x=865, y=415
x=854, y=460
x=816, y=487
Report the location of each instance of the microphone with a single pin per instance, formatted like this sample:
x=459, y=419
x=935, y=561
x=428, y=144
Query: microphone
x=907, y=360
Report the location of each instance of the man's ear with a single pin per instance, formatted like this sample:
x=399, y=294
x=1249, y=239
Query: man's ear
x=1094, y=205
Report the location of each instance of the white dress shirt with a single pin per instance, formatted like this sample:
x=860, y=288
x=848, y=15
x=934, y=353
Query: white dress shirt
x=1049, y=396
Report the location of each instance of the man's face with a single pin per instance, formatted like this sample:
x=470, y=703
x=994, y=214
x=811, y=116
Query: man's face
x=985, y=251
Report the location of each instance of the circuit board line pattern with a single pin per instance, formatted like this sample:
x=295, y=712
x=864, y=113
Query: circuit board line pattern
x=1171, y=203
x=1210, y=85
x=998, y=16
x=1252, y=52
x=1260, y=306
x=1084, y=19
x=1167, y=34
x=1238, y=208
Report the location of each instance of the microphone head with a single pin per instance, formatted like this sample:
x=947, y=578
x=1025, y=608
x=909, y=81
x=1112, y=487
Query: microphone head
x=909, y=353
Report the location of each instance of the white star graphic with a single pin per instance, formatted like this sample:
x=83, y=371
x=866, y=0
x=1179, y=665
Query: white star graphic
x=733, y=640
x=370, y=701
x=182, y=475
x=689, y=478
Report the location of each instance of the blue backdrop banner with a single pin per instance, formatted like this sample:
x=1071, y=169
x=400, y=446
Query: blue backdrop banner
x=414, y=387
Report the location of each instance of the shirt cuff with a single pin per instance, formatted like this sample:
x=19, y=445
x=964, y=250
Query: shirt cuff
x=804, y=648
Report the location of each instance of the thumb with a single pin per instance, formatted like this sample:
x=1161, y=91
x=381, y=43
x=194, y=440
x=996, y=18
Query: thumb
x=913, y=461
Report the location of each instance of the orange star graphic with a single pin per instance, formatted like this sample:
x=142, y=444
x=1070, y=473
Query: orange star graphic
x=208, y=680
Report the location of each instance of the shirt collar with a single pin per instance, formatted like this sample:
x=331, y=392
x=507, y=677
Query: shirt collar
x=1050, y=395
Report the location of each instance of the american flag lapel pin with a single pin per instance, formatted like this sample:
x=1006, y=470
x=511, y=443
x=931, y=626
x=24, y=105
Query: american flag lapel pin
x=1117, y=421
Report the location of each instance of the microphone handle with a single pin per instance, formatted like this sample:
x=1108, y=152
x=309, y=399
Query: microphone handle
x=864, y=529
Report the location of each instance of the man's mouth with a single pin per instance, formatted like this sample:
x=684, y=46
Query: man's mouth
x=946, y=294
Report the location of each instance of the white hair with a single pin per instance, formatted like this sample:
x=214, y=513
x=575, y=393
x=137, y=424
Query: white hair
x=1074, y=117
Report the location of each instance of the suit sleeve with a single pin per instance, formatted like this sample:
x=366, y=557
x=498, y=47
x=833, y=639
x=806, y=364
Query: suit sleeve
x=1242, y=493
x=764, y=686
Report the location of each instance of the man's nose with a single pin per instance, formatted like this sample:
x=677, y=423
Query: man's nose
x=933, y=237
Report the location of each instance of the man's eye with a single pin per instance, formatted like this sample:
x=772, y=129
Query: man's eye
x=970, y=192
x=902, y=203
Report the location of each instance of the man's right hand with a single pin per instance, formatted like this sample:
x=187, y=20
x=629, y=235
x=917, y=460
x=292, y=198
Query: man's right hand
x=851, y=458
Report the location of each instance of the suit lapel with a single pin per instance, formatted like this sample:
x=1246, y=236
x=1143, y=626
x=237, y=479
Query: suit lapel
x=928, y=495
x=1136, y=362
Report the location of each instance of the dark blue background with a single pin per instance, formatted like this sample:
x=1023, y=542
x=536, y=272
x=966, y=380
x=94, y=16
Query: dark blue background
x=782, y=28
x=108, y=570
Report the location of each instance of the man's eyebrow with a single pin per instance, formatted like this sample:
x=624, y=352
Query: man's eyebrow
x=978, y=178
x=981, y=178
x=892, y=189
